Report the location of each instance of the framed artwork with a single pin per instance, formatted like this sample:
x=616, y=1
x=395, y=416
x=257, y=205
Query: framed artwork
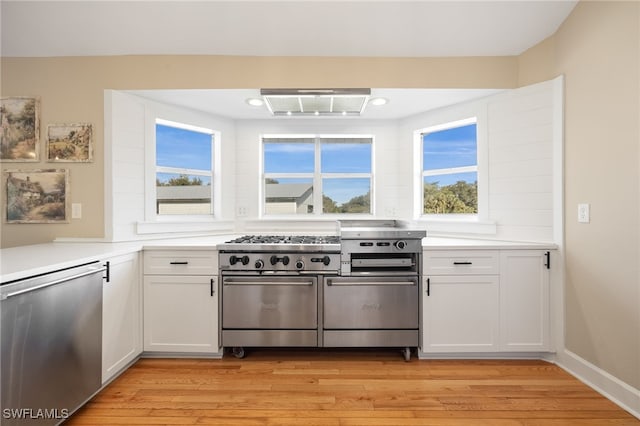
x=70, y=143
x=19, y=129
x=36, y=196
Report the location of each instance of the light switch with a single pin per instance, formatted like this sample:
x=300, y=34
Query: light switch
x=76, y=211
x=583, y=213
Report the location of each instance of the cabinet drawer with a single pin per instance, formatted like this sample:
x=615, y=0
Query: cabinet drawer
x=180, y=262
x=461, y=262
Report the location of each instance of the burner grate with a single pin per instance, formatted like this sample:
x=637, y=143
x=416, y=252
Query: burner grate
x=286, y=239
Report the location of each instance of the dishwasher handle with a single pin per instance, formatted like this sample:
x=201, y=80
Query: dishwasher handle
x=54, y=282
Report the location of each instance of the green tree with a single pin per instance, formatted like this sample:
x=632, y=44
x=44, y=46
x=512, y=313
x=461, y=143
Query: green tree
x=460, y=197
x=358, y=204
x=329, y=206
x=182, y=180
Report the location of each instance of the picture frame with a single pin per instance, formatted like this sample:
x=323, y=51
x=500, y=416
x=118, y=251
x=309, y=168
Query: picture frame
x=19, y=129
x=36, y=196
x=71, y=143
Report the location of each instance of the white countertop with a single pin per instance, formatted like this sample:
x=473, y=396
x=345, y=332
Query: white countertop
x=25, y=261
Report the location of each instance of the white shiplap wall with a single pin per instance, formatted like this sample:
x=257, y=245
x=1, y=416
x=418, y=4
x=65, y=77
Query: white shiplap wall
x=130, y=162
x=521, y=173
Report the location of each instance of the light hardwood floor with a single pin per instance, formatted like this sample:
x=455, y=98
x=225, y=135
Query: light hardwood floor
x=337, y=387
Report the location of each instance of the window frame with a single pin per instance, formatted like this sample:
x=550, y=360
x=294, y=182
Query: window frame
x=151, y=215
x=481, y=169
x=316, y=176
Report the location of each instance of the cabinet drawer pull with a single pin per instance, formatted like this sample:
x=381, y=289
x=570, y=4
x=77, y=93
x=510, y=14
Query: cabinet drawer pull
x=179, y=263
x=463, y=263
x=428, y=286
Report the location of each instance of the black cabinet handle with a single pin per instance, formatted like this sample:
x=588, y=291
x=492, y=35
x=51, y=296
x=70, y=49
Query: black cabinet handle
x=108, y=271
x=179, y=263
x=463, y=263
x=548, y=263
x=428, y=286
x=212, y=286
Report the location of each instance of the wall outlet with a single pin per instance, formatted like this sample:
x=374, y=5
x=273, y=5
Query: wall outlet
x=242, y=211
x=76, y=211
x=583, y=213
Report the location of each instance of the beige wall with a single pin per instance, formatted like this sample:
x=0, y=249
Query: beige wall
x=71, y=90
x=597, y=49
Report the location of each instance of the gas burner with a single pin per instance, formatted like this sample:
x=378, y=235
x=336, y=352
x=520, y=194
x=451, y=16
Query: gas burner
x=286, y=239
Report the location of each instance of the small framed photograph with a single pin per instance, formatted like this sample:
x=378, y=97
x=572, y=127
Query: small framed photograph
x=19, y=129
x=70, y=143
x=37, y=196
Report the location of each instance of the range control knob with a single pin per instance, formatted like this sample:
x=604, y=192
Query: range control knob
x=244, y=260
x=326, y=260
x=259, y=264
x=274, y=259
x=299, y=264
x=400, y=244
x=285, y=260
x=233, y=260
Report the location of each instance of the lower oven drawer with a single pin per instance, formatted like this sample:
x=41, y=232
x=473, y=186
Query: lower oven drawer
x=371, y=303
x=270, y=302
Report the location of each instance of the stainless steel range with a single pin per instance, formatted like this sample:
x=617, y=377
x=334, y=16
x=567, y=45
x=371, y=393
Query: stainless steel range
x=270, y=289
x=359, y=289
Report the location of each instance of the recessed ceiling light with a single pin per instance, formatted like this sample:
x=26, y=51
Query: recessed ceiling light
x=378, y=101
x=256, y=102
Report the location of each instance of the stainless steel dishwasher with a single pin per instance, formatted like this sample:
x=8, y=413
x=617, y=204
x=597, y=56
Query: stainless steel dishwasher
x=51, y=344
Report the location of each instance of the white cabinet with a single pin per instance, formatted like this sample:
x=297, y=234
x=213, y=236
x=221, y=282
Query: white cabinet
x=460, y=301
x=524, y=300
x=486, y=301
x=121, y=315
x=181, y=302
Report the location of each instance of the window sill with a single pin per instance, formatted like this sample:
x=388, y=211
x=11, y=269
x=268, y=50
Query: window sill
x=457, y=225
x=186, y=226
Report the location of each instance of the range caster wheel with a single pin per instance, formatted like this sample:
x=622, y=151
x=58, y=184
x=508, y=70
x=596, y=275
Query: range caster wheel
x=238, y=352
x=406, y=353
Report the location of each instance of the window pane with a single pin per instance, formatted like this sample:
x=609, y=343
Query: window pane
x=185, y=149
x=183, y=194
x=345, y=157
x=288, y=196
x=348, y=195
x=288, y=157
x=452, y=193
x=456, y=147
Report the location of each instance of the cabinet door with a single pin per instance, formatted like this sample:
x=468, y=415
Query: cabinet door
x=121, y=315
x=524, y=300
x=460, y=313
x=181, y=314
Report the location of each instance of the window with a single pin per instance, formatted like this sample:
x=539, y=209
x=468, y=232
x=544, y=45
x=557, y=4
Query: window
x=450, y=169
x=317, y=175
x=184, y=172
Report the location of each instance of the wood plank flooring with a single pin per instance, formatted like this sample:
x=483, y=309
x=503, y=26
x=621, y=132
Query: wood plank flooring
x=339, y=387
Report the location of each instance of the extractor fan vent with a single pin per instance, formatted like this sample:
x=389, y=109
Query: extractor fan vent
x=316, y=102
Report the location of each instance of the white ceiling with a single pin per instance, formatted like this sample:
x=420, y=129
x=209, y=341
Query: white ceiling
x=393, y=28
x=379, y=28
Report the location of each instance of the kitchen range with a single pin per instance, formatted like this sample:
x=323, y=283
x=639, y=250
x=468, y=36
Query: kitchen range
x=358, y=289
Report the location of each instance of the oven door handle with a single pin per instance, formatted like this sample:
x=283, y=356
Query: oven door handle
x=373, y=282
x=266, y=282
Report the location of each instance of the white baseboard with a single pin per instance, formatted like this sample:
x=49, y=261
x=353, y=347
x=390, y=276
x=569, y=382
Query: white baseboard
x=621, y=393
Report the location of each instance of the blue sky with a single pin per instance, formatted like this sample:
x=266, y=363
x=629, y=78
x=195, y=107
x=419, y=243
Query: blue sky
x=182, y=148
x=449, y=148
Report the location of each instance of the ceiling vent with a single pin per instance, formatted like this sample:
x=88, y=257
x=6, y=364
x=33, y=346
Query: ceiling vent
x=316, y=102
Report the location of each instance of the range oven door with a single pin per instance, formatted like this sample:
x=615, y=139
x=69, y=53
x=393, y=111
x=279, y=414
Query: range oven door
x=270, y=310
x=370, y=311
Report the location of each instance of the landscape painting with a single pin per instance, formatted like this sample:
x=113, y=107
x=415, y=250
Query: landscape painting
x=37, y=196
x=69, y=143
x=19, y=129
